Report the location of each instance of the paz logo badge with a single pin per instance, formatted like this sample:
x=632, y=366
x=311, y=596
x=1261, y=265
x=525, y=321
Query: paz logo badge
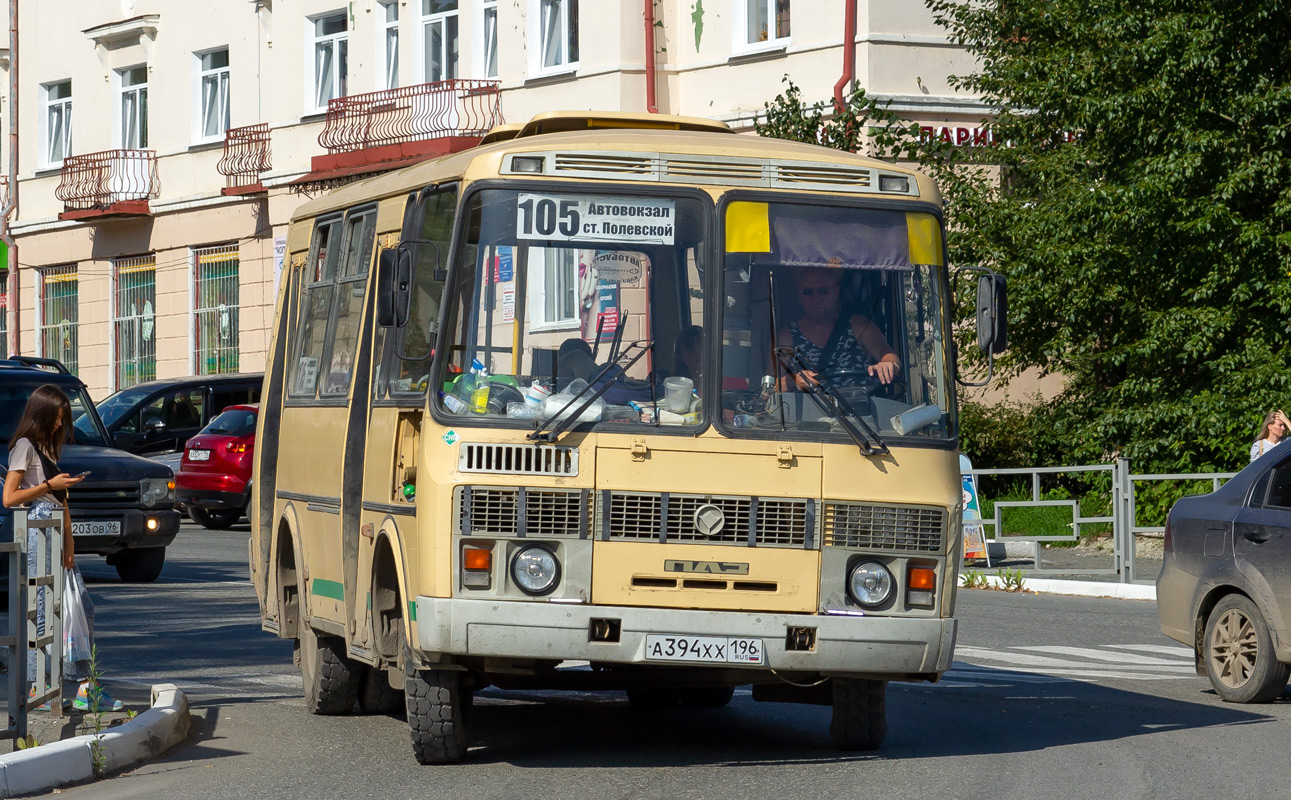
x=450, y=437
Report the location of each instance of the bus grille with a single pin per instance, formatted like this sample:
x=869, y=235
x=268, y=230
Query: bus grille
x=497, y=511
x=719, y=170
x=915, y=529
x=518, y=459
x=103, y=496
x=749, y=521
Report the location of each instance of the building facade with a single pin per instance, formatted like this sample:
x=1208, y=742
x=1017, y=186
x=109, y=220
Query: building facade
x=164, y=145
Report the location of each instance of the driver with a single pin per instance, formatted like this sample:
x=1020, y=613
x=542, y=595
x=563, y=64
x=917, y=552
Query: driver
x=849, y=348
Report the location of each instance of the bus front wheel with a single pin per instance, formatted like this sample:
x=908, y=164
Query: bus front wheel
x=438, y=703
x=860, y=719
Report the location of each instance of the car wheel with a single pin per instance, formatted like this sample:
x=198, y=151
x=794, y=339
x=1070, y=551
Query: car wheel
x=140, y=566
x=214, y=520
x=1239, y=653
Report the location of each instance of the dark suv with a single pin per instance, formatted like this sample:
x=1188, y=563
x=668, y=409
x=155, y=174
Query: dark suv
x=158, y=417
x=125, y=508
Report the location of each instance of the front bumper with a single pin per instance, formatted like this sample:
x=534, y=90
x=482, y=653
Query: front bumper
x=134, y=530
x=882, y=647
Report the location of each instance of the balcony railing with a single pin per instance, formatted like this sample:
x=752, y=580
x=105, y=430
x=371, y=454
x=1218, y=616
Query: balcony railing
x=246, y=157
x=110, y=182
x=453, y=108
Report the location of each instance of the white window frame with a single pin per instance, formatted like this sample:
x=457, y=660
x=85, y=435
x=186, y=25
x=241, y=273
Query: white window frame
x=453, y=69
x=739, y=24
x=387, y=30
x=536, y=28
x=223, y=77
x=480, y=46
x=119, y=92
x=312, y=41
x=538, y=290
x=46, y=108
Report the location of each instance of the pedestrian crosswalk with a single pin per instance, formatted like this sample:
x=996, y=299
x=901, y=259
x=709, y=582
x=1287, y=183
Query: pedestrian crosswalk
x=985, y=667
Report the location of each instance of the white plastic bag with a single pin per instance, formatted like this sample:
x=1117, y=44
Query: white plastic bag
x=76, y=625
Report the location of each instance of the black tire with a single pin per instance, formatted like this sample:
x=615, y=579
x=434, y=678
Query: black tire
x=215, y=520
x=376, y=695
x=650, y=698
x=330, y=679
x=860, y=720
x=1238, y=649
x=140, y=566
x=437, y=703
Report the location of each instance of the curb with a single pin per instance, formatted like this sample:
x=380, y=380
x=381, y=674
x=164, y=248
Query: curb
x=148, y=735
x=1118, y=591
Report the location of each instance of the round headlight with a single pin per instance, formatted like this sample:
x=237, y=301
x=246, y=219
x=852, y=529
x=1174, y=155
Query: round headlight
x=870, y=583
x=535, y=570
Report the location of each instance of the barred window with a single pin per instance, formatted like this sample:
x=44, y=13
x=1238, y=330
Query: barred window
x=59, y=315
x=215, y=310
x=4, y=313
x=134, y=318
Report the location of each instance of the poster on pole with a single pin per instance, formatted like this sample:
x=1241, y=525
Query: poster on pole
x=974, y=534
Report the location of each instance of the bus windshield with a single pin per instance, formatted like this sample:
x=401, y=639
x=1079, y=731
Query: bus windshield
x=855, y=297
x=556, y=291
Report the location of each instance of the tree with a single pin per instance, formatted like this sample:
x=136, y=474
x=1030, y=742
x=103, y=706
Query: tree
x=1142, y=215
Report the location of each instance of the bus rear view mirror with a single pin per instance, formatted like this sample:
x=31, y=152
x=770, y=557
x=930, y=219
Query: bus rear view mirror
x=394, y=286
x=992, y=314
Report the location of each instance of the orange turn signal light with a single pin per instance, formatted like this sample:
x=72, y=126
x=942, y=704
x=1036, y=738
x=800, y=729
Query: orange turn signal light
x=922, y=578
x=475, y=558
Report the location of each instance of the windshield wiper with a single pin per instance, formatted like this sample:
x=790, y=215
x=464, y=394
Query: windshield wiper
x=832, y=402
x=588, y=395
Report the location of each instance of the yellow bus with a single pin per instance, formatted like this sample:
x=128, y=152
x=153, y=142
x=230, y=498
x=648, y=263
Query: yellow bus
x=620, y=402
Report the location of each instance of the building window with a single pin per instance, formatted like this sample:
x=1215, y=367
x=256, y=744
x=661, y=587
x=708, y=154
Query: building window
x=388, y=45
x=59, y=315
x=760, y=23
x=557, y=36
x=57, y=119
x=487, y=46
x=215, y=309
x=134, y=318
x=134, y=108
x=439, y=39
x=4, y=312
x=213, y=76
x=330, y=58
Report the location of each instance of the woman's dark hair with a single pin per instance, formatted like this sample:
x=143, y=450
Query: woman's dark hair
x=45, y=406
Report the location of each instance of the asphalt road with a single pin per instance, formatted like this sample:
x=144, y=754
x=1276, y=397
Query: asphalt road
x=1049, y=697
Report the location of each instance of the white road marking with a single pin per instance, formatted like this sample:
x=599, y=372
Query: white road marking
x=975, y=666
x=1124, y=659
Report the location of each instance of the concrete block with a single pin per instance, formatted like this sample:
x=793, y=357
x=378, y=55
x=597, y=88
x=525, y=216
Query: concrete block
x=124, y=746
x=40, y=769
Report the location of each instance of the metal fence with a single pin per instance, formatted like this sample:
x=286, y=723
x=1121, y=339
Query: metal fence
x=98, y=181
x=21, y=634
x=1112, y=489
x=134, y=321
x=247, y=155
x=215, y=310
x=411, y=113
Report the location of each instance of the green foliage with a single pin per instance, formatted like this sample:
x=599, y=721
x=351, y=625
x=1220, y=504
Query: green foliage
x=973, y=579
x=27, y=742
x=1011, y=580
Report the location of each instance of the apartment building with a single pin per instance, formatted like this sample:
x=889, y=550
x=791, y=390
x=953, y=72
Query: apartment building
x=164, y=144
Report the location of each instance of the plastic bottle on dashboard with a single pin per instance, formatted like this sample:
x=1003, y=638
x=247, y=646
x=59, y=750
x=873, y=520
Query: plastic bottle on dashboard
x=454, y=403
x=480, y=395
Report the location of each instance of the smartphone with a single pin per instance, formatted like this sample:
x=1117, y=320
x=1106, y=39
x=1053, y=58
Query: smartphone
x=82, y=475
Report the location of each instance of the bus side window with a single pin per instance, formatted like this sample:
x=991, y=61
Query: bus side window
x=416, y=340
x=315, y=307
x=347, y=311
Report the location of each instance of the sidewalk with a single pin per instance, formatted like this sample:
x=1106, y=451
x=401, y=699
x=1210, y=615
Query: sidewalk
x=1070, y=562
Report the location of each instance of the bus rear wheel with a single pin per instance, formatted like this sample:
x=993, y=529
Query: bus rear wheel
x=860, y=720
x=330, y=678
x=438, y=703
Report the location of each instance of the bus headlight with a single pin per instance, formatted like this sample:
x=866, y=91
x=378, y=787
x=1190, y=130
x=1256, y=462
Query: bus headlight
x=535, y=570
x=870, y=583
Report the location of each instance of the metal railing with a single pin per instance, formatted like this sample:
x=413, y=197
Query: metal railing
x=21, y=634
x=1119, y=496
x=411, y=114
x=247, y=155
x=98, y=181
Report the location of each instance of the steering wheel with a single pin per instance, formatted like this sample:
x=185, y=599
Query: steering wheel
x=500, y=394
x=862, y=379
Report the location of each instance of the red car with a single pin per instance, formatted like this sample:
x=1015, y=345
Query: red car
x=214, y=480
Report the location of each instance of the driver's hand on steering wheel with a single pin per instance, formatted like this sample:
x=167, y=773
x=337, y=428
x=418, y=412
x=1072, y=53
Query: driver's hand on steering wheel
x=885, y=371
x=802, y=379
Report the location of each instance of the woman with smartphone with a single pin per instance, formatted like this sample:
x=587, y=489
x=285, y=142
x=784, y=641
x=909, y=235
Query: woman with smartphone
x=35, y=481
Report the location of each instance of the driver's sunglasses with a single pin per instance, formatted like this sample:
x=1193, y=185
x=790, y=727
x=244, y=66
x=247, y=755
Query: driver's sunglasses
x=808, y=292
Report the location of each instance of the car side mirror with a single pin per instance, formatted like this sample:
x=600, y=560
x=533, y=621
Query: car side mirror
x=156, y=425
x=992, y=314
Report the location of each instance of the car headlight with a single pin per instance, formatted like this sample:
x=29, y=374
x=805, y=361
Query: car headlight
x=155, y=492
x=870, y=583
x=535, y=570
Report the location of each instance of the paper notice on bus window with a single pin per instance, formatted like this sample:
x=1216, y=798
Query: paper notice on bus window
x=566, y=218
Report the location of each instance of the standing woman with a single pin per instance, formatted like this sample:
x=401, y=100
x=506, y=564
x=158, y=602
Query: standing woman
x=1272, y=432
x=35, y=481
